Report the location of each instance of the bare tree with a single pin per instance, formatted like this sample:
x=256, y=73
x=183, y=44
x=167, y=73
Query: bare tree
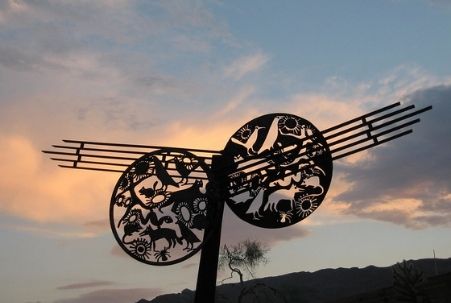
x=242, y=258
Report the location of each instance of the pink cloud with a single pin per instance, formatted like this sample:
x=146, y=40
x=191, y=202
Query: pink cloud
x=114, y=296
x=85, y=285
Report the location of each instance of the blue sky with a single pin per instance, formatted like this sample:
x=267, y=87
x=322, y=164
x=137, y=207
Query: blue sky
x=190, y=73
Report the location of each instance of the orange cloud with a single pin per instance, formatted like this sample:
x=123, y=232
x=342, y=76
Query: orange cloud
x=30, y=188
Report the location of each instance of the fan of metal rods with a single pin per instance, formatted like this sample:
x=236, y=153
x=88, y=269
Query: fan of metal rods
x=350, y=137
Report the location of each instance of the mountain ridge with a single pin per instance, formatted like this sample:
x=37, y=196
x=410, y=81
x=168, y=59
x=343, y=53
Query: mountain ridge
x=321, y=286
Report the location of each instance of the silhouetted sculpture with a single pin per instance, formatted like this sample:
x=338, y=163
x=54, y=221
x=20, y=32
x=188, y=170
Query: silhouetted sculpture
x=274, y=172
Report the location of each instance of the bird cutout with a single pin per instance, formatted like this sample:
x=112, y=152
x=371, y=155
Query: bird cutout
x=184, y=167
x=188, y=236
x=249, y=140
x=162, y=173
x=271, y=136
x=256, y=204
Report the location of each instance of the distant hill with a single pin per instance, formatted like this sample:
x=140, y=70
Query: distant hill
x=323, y=286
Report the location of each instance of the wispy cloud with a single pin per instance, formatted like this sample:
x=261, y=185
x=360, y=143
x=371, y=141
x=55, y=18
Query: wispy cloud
x=233, y=103
x=114, y=296
x=52, y=232
x=83, y=285
x=246, y=65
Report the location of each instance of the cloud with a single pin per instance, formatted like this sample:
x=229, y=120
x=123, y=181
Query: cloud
x=85, y=285
x=246, y=65
x=71, y=232
x=84, y=71
x=407, y=181
x=97, y=226
x=30, y=190
x=117, y=251
x=114, y=296
x=235, y=230
x=236, y=100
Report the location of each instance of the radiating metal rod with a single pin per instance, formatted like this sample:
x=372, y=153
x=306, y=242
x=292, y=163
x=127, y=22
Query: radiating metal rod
x=372, y=145
x=193, y=150
x=101, y=149
x=91, y=162
x=89, y=168
x=79, y=154
x=371, y=137
x=378, y=111
x=365, y=121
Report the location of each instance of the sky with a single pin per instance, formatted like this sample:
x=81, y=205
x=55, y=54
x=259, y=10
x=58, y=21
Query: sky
x=189, y=74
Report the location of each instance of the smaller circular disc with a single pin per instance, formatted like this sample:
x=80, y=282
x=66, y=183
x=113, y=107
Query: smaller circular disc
x=158, y=209
x=281, y=169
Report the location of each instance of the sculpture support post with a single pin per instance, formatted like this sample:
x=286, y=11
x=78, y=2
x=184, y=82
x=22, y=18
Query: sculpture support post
x=208, y=266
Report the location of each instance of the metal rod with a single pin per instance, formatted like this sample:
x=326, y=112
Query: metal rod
x=101, y=149
x=361, y=117
x=372, y=145
x=143, y=146
x=365, y=122
x=116, y=164
x=90, y=162
x=363, y=132
x=89, y=168
x=372, y=137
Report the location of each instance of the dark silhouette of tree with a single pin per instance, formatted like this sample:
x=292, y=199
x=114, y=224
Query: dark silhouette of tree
x=408, y=283
x=242, y=258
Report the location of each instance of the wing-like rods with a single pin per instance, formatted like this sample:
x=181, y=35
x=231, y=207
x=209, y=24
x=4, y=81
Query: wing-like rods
x=112, y=157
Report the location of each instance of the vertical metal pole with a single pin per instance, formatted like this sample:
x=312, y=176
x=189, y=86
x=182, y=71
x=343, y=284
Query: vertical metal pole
x=208, y=266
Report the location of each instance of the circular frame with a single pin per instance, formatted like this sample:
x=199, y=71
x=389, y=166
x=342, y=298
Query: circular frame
x=158, y=209
x=280, y=170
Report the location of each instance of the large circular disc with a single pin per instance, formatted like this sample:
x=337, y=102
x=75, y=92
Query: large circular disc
x=158, y=209
x=281, y=170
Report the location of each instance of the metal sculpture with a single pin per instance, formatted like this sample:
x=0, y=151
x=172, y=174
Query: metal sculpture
x=273, y=172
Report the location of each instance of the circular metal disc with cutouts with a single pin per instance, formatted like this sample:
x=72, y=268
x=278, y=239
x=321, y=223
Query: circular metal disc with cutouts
x=158, y=209
x=280, y=170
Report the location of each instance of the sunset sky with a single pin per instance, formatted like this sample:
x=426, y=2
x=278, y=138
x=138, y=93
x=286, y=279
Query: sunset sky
x=189, y=74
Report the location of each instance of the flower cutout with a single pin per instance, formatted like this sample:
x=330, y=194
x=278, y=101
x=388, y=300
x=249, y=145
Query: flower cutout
x=291, y=125
x=184, y=214
x=141, y=248
x=200, y=205
x=244, y=133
